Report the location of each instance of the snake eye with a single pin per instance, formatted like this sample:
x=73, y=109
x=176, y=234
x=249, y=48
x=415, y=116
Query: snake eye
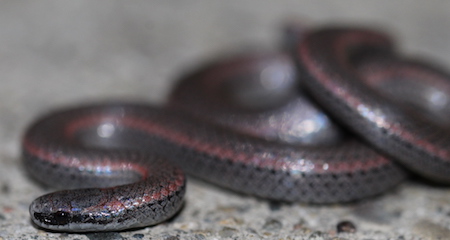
x=57, y=218
x=61, y=218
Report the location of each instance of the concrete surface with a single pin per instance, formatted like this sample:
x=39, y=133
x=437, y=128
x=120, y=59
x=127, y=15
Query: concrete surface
x=54, y=53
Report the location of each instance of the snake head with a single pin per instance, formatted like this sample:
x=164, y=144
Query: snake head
x=70, y=211
x=51, y=212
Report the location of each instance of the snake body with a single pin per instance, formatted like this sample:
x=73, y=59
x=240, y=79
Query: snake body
x=127, y=157
x=329, y=59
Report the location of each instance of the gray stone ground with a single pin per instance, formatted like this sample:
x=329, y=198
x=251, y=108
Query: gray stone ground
x=54, y=53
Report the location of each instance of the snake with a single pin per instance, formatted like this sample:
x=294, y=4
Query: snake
x=398, y=105
x=322, y=139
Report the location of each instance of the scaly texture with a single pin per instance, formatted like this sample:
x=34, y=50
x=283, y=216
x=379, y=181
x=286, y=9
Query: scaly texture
x=329, y=59
x=125, y=151
x=55, y=151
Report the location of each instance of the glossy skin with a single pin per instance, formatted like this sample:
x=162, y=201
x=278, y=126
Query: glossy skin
x=103, y=138
x=350, y=72
x=258, y=94
x=121, y=188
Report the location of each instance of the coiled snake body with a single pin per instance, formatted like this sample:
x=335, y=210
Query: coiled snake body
x=127, y=157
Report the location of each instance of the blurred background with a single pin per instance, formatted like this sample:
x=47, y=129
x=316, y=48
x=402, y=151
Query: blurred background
x=57, y=53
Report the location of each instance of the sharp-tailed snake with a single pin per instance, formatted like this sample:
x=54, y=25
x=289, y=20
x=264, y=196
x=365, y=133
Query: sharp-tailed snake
x=127, y=159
